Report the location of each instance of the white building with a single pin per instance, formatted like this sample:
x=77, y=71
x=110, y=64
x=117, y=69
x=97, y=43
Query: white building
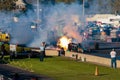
x=106, y=18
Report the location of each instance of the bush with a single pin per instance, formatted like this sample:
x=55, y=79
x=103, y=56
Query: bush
x=19, y=49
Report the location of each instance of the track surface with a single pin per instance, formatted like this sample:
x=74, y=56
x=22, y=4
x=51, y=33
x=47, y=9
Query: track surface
x=8, y=72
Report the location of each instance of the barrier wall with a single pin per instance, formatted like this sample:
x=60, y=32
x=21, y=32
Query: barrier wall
x=84, y=57
x=91, y=58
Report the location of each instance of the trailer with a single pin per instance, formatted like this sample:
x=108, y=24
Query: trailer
x=90, y=45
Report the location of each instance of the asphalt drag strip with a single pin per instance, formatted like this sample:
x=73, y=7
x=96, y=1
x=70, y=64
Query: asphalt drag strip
x=8, y=72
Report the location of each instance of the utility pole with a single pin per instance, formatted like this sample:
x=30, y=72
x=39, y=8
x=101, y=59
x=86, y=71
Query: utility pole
x=37, y=21
x=38, y=11
x=83, y=8
x=83, y=14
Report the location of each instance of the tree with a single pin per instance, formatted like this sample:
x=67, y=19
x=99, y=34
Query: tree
x=116, y=6
x=7, y=4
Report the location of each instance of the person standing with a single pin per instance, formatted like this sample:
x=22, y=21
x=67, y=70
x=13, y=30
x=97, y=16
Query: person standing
x=12, y=55
x=62, y=52
x=113, y=58
x=3, y=51
x=42, y=51
x=44, y=46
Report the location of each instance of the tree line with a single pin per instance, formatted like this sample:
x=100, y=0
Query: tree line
x=9, y=5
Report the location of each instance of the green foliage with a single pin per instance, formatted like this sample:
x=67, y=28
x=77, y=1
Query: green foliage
x=27, y=49
x=19, y=49
x=22, y=49
x=115, y=6
x=7, y=47
x=62, y=68
x=7, y=4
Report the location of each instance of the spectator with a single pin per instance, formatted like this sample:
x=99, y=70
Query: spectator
x=42, y=53
x=61, y=52
x=3, y=51
x=12, y=55
x=70, y=46
x=113, y=58
x=44, y=46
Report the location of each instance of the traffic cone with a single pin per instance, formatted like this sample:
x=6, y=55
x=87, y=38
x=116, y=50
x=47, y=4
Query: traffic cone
x=96, y=71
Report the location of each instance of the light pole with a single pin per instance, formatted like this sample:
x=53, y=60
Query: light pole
x=37, y=21
x=38, y=11
x=83, y=8
x=83, y=14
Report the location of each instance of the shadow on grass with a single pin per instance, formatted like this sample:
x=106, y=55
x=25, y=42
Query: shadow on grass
x=93, y=74
x=102, y=74
x=48, y=56
x=3, y=61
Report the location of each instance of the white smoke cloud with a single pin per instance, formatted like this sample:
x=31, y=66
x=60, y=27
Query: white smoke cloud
x=61, y=19
x=20, y=32
x=56, y=21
